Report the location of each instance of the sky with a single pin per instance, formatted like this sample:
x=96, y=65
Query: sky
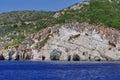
x=44, y=5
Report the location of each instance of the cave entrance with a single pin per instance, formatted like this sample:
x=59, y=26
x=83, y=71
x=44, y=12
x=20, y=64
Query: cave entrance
x=76, y=57
x=43, y=58
x=2, y=57
x=55, y=58
x=55, y=55
x=69, y=58
x=17, y=57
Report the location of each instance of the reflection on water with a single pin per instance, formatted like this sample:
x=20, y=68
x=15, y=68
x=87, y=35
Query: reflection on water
x=59, y=71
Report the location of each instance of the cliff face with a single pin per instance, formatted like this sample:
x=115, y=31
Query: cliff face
x=81, y=41
x=73, y=41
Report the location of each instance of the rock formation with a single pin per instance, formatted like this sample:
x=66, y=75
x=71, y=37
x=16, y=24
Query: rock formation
x=82, y=41
x=69, y=42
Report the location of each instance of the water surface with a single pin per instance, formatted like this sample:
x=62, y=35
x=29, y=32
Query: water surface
x=58, y=71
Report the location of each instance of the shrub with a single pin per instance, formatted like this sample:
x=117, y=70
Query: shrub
x=112, y=44
x=42, y=43
x=13, y=43
x=73, y=37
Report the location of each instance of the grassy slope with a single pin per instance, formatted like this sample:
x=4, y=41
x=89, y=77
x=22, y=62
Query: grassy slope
x=15, y=16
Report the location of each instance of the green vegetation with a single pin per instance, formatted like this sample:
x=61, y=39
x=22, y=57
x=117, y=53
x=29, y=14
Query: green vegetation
x=42, y=43
x=97, y=12
x=13, y=43
x=73, y=37
x=20, y=25
x=19, y=37
x=103, y=11
x=16, y=16
x=112, y=44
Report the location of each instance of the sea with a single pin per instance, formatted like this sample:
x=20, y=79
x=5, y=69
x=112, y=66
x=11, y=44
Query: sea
x=29, y=70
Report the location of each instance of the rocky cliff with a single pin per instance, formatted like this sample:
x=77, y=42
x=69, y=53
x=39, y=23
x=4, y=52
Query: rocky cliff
x=70, y=42
x=81, y=41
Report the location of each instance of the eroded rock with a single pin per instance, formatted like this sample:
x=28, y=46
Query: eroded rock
x=55, y=55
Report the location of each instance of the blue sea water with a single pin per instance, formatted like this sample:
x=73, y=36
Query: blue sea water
x=13, y=70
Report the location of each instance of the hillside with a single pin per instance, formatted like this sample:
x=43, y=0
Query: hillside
x=87, y=31
x=16, y=16
x=104, y=12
